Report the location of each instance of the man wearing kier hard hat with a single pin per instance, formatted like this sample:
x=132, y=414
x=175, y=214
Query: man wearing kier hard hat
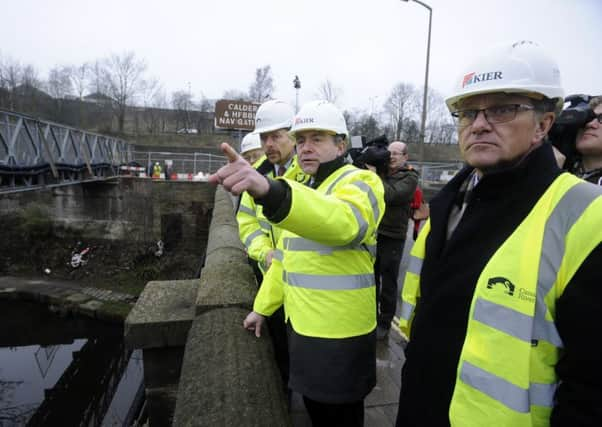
x=502, y=300
x=322, y=269
x=273, y=120
x=250, y=147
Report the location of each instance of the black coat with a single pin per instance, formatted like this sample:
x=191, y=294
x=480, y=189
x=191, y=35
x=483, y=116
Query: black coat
x=399, y=192
x=450, y=271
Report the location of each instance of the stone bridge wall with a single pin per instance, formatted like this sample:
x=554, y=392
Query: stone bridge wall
x=125, y=208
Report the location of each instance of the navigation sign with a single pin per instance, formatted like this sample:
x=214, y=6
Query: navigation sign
x=235, y=114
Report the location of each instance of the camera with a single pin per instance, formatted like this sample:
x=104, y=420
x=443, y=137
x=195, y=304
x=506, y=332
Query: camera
x=374, y=153
x=573, y=117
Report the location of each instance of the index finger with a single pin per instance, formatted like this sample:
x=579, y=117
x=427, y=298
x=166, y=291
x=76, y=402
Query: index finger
x=230, y=152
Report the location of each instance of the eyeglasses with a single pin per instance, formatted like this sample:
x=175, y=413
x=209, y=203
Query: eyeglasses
x=494, y=114
x=599, y=118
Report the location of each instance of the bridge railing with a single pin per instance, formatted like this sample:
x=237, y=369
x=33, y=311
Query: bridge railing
x=36, y=152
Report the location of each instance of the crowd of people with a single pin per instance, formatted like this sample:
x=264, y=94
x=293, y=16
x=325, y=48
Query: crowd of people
x=501, y=303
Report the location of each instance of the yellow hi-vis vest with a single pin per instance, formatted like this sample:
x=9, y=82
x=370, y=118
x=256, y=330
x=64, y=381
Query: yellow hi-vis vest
x=323, y=270
x=254, y=230
x=506, y=373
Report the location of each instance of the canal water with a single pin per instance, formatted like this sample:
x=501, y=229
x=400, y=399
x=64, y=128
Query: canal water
x=65, y=371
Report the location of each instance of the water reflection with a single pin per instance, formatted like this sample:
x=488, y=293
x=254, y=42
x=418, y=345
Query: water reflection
x=64, y=371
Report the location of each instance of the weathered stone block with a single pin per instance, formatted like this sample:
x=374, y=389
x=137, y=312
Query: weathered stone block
x=226, y=284
x=162, y=315
x=229, y=377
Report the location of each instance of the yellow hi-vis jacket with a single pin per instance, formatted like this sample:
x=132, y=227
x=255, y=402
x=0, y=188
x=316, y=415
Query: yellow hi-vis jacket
x=323, y=268
x=506, y=373
x=254, y=230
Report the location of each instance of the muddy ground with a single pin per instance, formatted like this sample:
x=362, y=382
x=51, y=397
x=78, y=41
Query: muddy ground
x=32, y=246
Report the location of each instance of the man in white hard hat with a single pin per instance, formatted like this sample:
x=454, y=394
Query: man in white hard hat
x=322, y=270
x=273, y=120
x=250, y=148
x=502, y=298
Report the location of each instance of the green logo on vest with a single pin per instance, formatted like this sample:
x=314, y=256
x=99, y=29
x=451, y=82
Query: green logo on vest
x=501, y=281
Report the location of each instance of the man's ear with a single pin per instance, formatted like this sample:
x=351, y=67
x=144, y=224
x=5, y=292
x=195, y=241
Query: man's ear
x=544, y=124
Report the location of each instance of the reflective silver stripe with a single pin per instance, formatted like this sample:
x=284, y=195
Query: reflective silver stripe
x=252, y=236
x=277, y=254
x=502, y=318
x=407, y=310
x=265, y=225
x=246, y=210
x=514, y=397
x=415, y=265
x=371, y=249
x=566, y=213
x=301, y=244
x=368, y=190
x=317, y=281
x=340, y=177
x=542, y=394
x=544, y=329
x=361, y=223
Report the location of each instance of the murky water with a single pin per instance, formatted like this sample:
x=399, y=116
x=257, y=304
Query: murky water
x=57, y=371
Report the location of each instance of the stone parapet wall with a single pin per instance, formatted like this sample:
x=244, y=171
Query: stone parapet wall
x=227, y=376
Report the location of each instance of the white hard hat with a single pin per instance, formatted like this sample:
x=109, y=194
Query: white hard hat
x=273, y=115
x=319, y=115
x=251, y=141
x=519, y=67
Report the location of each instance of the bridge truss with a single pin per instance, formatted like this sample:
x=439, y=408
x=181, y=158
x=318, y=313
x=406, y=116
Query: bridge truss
x=35, y=153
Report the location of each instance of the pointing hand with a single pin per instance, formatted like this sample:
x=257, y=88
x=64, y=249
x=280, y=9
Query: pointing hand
x=238, y=175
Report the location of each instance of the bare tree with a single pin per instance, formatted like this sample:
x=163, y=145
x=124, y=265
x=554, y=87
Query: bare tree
x=30, y=77
x=124, y=78
x=364, y=124
x=181, y=101
x=59, y=86
x=235, y=95
x=96, y=81
x=79, y=76
x=263, y=86
x=401, y=104
x=59, y=82
x=329, y=92
x=11, y=73
x=440, y=128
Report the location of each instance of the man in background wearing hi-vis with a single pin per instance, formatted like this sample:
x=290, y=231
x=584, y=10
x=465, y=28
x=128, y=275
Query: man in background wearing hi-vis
x=273, y=120
x=322, y=270
x=502, y=301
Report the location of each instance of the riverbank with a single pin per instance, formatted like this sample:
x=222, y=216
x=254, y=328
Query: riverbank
x=68, y=298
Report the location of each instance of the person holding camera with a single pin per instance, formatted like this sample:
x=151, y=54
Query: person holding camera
x=400, y=181
x=589, y=145
x=502, y=302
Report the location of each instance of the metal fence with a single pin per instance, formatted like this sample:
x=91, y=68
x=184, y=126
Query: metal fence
x=179, y=163
x=436, y=172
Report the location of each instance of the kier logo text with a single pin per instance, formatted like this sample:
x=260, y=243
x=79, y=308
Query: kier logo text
x=471, y=78
x=299, y=120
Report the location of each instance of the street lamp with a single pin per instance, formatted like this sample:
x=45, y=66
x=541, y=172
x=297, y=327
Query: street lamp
x=426, y=73
x=297, y=85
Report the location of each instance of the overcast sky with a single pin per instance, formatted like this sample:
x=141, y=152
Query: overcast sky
x=364, y=47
